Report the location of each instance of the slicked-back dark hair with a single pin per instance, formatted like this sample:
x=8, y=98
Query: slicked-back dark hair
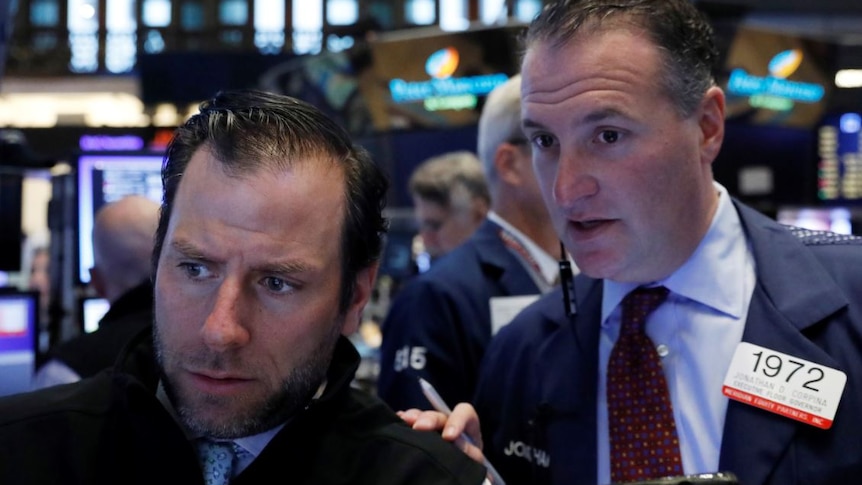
x=677, y=27
x=249, y=130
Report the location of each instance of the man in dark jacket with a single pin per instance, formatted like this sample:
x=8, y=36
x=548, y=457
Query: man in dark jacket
x=266, y=252
x=441, y=322
x=123, y=235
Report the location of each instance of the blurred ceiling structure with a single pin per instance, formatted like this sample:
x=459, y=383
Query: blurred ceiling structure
x=837, y=21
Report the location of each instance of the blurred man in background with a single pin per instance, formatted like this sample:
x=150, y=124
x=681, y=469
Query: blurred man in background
x=450, y=200
x=123, y=236
x=441, y=322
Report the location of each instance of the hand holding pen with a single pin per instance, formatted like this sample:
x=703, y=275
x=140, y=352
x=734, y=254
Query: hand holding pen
x=441, y=406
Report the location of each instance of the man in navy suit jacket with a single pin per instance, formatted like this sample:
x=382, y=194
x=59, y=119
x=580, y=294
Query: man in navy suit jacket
x=538, y=390
x=441, y=321
x=760, y=338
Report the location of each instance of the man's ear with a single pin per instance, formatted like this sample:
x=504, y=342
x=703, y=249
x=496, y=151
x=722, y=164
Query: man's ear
x=712, y=112
x=362, y=289
x=506, y=163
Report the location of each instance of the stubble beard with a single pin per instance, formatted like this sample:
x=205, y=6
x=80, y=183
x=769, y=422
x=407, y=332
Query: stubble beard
x=250, y=416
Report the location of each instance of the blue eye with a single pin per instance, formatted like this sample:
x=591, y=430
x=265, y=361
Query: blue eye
x=193, y=270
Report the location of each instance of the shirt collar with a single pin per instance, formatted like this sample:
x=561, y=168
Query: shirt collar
x=709, y=275
x=549, y=266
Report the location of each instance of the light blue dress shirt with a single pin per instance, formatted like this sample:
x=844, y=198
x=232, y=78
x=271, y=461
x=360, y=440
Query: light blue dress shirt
x=696, y=331
x=254, y=445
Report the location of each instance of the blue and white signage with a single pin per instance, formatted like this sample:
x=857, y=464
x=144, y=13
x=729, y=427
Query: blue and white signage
x=775, y=91
x=443, y=91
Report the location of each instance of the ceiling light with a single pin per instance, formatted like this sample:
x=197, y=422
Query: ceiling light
x=849, y=78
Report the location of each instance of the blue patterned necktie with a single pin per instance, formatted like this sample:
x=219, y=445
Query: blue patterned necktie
x=217, y=460
x=643, y=437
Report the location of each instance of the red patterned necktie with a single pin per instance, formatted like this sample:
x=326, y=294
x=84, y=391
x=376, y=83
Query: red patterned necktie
x=643, y=439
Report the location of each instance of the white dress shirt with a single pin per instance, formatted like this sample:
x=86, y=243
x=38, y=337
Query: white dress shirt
x=547, y=263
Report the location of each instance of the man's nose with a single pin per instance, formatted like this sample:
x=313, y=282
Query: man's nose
x=573, y=180
x=223, y=328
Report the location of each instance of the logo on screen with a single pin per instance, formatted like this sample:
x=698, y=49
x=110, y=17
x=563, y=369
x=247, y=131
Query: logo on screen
x=785, y=63
x=443, y=63
x=775, y=92
x=444, y=91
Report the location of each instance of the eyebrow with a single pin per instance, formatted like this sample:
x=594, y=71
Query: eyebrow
x=528, y=123
x=292, y=267
x=189, y=250
x=593, y=117
x=603, y=114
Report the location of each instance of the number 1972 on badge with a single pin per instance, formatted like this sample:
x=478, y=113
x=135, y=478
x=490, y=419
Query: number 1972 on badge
x=783, y=384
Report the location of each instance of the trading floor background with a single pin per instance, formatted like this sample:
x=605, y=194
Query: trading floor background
x=90, y=91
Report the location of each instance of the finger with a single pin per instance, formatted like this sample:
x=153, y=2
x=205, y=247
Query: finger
x=409, y=416
x=430, y=421
x=469, y=449
x=463, y=420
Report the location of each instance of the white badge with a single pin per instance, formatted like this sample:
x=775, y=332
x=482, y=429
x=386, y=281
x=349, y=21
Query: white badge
x=783, y=384
x=504, y=309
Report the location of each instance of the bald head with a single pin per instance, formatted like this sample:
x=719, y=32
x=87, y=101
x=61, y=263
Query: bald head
x=123, y=236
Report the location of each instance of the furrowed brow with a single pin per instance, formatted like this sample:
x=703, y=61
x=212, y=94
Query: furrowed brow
x=187, y=249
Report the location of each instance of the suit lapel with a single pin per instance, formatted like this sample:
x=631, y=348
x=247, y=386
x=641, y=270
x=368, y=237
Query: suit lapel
x=501, y=264
x=568, y=384
x=577, y=338
x=787, y=299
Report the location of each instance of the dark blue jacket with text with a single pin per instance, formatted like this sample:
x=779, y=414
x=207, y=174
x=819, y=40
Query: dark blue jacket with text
x=536, y=395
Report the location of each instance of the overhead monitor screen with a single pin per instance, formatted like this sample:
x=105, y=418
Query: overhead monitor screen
x=104, y=178
x=777, y=79
x=839, y=170
x=432, y=78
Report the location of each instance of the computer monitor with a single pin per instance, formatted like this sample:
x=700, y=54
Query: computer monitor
x=19, y=327
x=839, y=163
x=108, y=177
x=834, y=219
x=91, y=311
